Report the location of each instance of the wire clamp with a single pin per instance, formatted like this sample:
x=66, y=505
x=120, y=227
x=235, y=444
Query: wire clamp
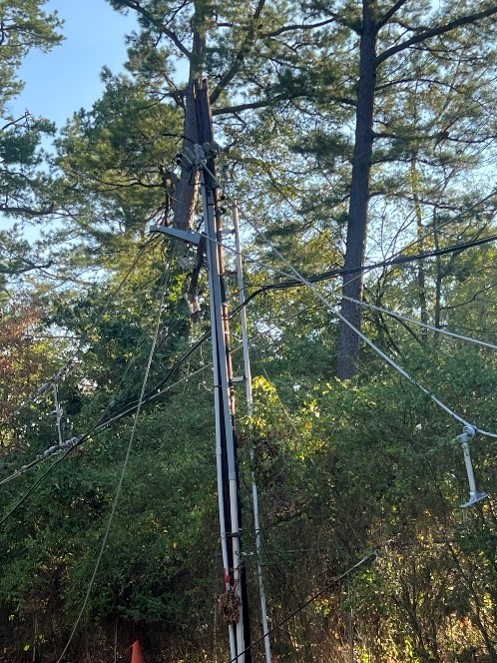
x=468, y=433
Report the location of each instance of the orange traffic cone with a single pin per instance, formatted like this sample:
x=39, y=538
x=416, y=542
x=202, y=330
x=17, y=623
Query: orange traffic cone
x=136, y=654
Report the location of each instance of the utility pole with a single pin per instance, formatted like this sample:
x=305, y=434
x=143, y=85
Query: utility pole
x=233, y=603
x=234, y=574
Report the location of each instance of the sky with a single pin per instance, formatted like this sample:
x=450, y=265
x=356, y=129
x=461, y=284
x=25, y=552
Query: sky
x=67, y=78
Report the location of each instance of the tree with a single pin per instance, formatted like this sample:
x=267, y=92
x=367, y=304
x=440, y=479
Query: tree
x=23, y=188
x=237, y=48
x=386, y=35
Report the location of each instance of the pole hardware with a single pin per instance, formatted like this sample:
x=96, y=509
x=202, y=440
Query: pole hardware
x=183, y=235
x=475, y=495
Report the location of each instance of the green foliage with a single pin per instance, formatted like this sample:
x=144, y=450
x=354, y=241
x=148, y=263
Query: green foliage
x=24, y=26
x=344, y=468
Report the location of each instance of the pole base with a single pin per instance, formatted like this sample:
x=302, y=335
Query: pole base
x=474, y=498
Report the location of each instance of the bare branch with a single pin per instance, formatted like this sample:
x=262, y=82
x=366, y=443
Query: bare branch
x=27, y=211
x=434, y=32
x=240, y=56
x=263, y=103
x=299, y=26
x=26, y=115
x=393, y=10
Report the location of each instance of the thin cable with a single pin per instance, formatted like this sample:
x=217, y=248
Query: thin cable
x=121, y=478
x=438, y=330
x=100, y=426
x=357, y=331
x=65, y=370
x=400, y=260
x=73, y=442
x=20, y=502
x=48, y=453
x=370, y=557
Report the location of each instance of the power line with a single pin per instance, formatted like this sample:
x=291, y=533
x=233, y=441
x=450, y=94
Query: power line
x=438, y=330
x=100, y=426
x=400, y=260
x=367, y=558
x=303, y=281
x=121, y=478
x=154, y=392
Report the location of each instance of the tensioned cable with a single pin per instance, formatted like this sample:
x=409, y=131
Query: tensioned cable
x=121, y=478
x=65, y=370
x=367, y=558
x=438, y=330
x=153, y=394
x=400, y=260
x=382, y=354
x=102, y=425
x=357, y=331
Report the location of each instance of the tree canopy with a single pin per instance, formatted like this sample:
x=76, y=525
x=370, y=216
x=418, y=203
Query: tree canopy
x=357, y=141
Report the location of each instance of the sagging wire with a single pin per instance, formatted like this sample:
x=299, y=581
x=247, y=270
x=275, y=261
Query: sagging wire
x=438, y=330
x=122, y=475
x=65, y=371
x=304, y=281
x=370, y=557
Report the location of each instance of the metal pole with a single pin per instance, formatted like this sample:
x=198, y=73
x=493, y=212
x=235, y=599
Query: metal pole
x=220, y=337
x=234, y=574
x=250, y=413
x=351, y=627
x=218, y=409
x=225, y=414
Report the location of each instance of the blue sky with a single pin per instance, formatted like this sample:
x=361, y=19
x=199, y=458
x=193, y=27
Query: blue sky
x=68, y=78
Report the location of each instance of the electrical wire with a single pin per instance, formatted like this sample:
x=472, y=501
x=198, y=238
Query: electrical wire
x=121, y=479
x=71, y=443
x=400, y=260
x=357, y=331
x=100, y=426
x=154, y=393
x=438, y=330
x=62, y=373
x=370, y=557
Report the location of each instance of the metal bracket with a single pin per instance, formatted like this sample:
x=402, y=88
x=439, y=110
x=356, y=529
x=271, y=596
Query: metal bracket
x=475, y=495
x=183, y=235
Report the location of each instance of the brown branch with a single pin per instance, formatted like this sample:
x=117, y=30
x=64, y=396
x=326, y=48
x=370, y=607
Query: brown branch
x=434, y=32
x=263, y=103
x=240, y=56
x=12, y=123
x=252, y=105
x=297, y=26
x=393, y=10
x=28, y=211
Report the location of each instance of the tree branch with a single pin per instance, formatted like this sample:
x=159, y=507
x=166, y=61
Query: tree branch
x=134, y=4
x=434, y=32
x=393, y=10
x=252, y=105
x=263, y=103
x=240, y=56
x=302, y=26
x=27, y=211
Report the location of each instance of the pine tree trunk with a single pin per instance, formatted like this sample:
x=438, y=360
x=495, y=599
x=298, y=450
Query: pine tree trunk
x=348, y=350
